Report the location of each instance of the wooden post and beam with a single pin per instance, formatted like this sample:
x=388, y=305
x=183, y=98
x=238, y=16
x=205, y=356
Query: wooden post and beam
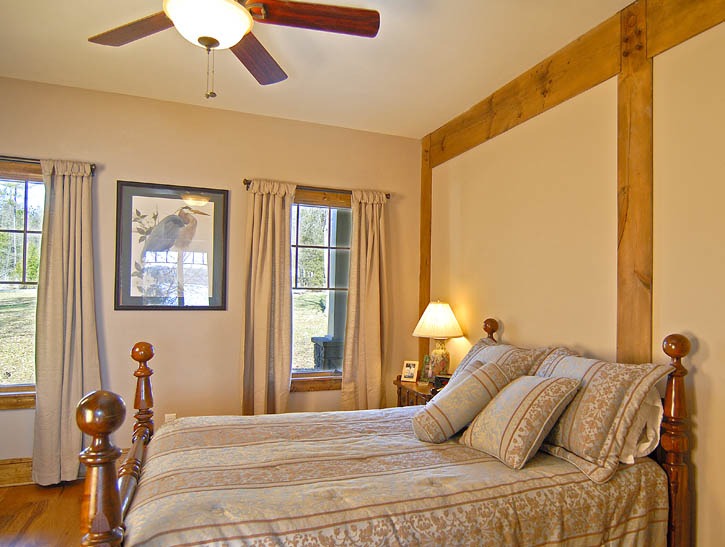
x=622, y=45
x=634, y=190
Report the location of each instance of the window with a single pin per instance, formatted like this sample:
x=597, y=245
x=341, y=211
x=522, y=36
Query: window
x=320, y=247
x=22, y=199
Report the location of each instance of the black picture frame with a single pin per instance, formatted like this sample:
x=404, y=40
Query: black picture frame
x=171, y=247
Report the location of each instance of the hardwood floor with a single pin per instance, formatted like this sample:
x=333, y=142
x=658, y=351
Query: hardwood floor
x=33, y=515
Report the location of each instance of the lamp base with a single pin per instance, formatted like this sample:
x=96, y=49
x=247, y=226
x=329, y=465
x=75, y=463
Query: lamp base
x=439, y=358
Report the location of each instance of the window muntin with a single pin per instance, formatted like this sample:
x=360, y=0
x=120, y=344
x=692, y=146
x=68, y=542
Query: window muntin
x=320, y=248
x=21, y=222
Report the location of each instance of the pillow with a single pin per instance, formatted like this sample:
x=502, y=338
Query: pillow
x=455, y=406
x=514, y=360
x=644, y=434
x=513, y=425
x=592, y=432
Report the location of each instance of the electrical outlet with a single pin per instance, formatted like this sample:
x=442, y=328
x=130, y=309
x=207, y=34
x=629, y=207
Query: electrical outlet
x=169, y=417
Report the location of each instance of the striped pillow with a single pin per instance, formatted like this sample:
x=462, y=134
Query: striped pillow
x=514, y=360
x=592, y=432
x=514, y=424
x=455, y=406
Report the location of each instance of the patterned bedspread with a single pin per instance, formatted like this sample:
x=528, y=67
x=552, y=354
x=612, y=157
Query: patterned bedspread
x=362, y=478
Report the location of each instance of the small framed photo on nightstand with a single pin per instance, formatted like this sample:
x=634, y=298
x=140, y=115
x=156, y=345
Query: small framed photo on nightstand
x=410, y=371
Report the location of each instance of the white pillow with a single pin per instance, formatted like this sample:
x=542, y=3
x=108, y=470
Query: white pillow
x=644, y=435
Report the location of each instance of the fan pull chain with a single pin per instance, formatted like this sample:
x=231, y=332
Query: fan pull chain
x=210, y=94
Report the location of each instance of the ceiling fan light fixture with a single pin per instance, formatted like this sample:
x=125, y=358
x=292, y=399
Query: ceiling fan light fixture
x=202, y=22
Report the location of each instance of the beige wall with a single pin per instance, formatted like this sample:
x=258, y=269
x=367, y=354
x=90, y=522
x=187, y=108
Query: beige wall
x=525, y=231
x=689, y=248
x=150, y=141
x=511, y=239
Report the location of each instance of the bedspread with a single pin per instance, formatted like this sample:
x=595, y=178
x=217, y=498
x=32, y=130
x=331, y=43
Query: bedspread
x=362, y=478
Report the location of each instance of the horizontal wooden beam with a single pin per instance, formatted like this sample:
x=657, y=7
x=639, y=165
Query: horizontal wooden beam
x=671, y=22
x=584, y=63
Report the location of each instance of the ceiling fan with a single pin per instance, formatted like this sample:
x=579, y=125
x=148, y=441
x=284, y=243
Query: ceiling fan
x=222, y=24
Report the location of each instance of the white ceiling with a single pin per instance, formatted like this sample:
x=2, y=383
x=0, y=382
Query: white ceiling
x=431, y=60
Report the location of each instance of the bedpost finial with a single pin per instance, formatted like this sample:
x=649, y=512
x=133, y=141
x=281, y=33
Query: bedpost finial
x=100, y=412
x=490, y=325
x=676, y=346
x=142, y=352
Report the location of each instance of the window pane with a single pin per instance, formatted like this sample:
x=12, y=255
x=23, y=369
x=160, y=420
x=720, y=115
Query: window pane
x=313, y=225
x=341, y=229
x=294, y=225
x=309, y=320
x=339, y=268
x=17, y=334
x=32, y=266
x=12, y=204
x=11, y=256
x=36, y=204
x=312, y=268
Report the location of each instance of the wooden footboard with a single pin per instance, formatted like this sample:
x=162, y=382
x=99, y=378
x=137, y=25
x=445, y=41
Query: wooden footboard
x=107, y=495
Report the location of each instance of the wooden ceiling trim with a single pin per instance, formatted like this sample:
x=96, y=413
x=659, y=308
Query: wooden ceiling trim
x=671, y=22
x=584, y=63
x=634, y=191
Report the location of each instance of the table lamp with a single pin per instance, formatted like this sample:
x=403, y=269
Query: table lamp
x=439, y=323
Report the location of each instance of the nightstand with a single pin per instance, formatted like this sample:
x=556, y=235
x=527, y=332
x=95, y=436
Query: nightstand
x=412, y=393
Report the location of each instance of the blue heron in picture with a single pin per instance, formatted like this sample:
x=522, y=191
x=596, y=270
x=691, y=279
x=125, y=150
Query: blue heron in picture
x=175, y=230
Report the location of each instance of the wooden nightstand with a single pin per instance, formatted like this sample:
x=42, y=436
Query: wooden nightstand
x=412, y=393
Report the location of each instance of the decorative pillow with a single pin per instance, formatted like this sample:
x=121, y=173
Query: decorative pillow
x=514, y=360
x=592, y=431
x=513, y=425
x=470, y=357
x=455, y=406
x=644, y=434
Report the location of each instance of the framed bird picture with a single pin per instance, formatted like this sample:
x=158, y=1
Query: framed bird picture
x=170, y=247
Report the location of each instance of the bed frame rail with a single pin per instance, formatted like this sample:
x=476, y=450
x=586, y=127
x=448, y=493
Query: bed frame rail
x=106, y=498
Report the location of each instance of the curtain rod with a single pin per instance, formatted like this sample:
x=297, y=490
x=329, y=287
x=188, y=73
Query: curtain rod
x=33, y=161
x=247, y=182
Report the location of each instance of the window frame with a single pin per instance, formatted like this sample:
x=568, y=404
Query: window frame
x=20, y=396
x=318, y=380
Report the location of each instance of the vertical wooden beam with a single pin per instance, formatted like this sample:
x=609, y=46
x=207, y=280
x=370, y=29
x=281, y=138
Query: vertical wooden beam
x=426, y=216
x=634, y=185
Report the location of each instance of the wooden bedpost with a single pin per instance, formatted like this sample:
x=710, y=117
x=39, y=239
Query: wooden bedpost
x=143, y=428
x=107, y=495
x=490, y=325
x=99, y=414
x=142, y=353
x=675, y=443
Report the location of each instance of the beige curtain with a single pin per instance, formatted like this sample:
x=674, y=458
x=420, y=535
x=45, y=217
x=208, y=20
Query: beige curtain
x=267, y=301
x=66, y=346
x=367, y=300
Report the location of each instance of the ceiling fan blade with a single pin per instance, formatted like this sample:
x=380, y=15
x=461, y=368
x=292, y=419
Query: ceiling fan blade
x=258, y=60
x=355, y=21
x=133, y=31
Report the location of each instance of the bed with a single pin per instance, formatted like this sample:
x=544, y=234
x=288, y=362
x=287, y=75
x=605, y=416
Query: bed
x=365, y=478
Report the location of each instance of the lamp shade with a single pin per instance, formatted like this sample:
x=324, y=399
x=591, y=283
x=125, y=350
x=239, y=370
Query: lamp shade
x=225, y=21
x=438, y=321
